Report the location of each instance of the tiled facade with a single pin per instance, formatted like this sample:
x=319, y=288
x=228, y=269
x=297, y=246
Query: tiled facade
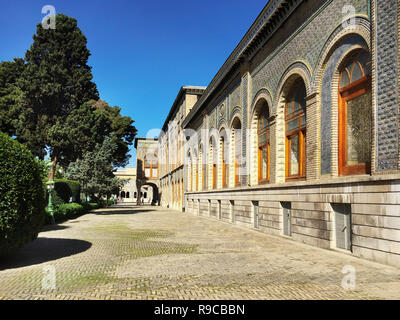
x=309, y=42
x=172, y=151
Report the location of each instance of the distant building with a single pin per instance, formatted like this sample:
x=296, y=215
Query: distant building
x=128, y=193
x=171, y=148
x=147, y=170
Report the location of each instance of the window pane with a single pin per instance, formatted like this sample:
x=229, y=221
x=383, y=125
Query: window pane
x=226, y=173
x=359, y=129
x=147, y=172
x=294, y=155
x=289, y=107
x=344, y=81
x=357, y=74
x=262, y=138
x=292, y=125
x=264, y=163
x=154, y=173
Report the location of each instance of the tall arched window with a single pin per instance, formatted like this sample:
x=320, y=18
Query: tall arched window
x=224, y=158
x=295, y=119
x=190, y=173
x=196, y=173
x=263, y=142
x=151, y=166
x=213, y=150
x=355, y=115
x=237, y=147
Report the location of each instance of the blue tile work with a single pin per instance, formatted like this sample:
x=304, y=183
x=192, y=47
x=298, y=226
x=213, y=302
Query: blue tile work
x=305, y=46
x=234, y=99
x=387, y=89
x=326, y=100
x=244, y=125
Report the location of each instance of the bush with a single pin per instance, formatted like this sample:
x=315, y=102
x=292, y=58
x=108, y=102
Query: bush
x=64, y=190
x=22, y=195
x=67, y=211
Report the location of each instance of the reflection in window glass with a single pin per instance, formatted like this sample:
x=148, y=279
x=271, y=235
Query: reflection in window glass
x=264, y=163
x=359, y=129
x=294, y=155
x=147, y=172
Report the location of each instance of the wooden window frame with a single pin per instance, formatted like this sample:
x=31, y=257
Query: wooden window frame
x=238, y=180
x=224, y=175
x=301, y=132
x=151, y=167
x=261, y=147
x=197, y=178
x=214, y=173
x=347, y=93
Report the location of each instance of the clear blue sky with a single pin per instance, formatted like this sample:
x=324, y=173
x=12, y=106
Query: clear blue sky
x=143, y=51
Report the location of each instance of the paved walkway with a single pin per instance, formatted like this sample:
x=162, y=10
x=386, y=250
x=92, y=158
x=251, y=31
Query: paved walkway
x=152, y=253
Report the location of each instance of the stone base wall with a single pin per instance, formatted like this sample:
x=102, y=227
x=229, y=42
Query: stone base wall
x=374, y=202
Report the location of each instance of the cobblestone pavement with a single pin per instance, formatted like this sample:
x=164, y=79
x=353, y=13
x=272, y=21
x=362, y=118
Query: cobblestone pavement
x=152, y=253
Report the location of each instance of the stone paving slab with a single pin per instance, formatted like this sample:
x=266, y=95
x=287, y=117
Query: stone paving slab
x=150, y=253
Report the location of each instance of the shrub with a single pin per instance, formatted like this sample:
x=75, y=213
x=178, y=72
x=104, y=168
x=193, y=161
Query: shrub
x=67, y=211
x=65, y=189
x=22, y=195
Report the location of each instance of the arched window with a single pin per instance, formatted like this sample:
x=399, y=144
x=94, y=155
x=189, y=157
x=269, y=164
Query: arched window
x=237, y=147
x=213, y=155
x=196, y=172
x=151, y=166
x=263, y=142
x=224, y=154
x=202, y=169
x=295, y=119
x=190, y=173
x=127, y=195
x=123, y=194
x=355, y=115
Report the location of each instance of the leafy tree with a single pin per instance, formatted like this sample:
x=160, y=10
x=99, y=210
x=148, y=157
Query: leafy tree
x=56, y=79
x=10, y=94
x=95, y=170
x=120, y=126
x=87, y=126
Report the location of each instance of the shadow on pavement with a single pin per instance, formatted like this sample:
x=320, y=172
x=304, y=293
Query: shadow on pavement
x=127, y=212
x=53, y=228
x=43, y=250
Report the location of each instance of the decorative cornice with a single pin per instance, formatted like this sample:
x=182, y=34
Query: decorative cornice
x=184, y=90
x=266, y=24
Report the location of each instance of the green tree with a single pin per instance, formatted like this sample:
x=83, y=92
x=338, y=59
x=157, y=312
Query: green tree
x=56, y=79
x=121, y=127
x=87, y=126
x=95, y=171
x=10, y=95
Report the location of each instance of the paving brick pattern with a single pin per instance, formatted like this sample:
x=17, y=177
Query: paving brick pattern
x=153, y=253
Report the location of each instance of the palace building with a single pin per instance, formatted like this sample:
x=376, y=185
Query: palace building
x=171, y=148
x=297, y=135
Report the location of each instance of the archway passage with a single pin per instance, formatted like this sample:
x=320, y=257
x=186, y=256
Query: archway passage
x=152, y=197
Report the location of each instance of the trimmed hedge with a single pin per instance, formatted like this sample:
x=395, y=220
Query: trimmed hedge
x=67, y=211
x=22, y=196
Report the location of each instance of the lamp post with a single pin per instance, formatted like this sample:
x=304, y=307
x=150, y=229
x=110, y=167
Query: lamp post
x=50, y=188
